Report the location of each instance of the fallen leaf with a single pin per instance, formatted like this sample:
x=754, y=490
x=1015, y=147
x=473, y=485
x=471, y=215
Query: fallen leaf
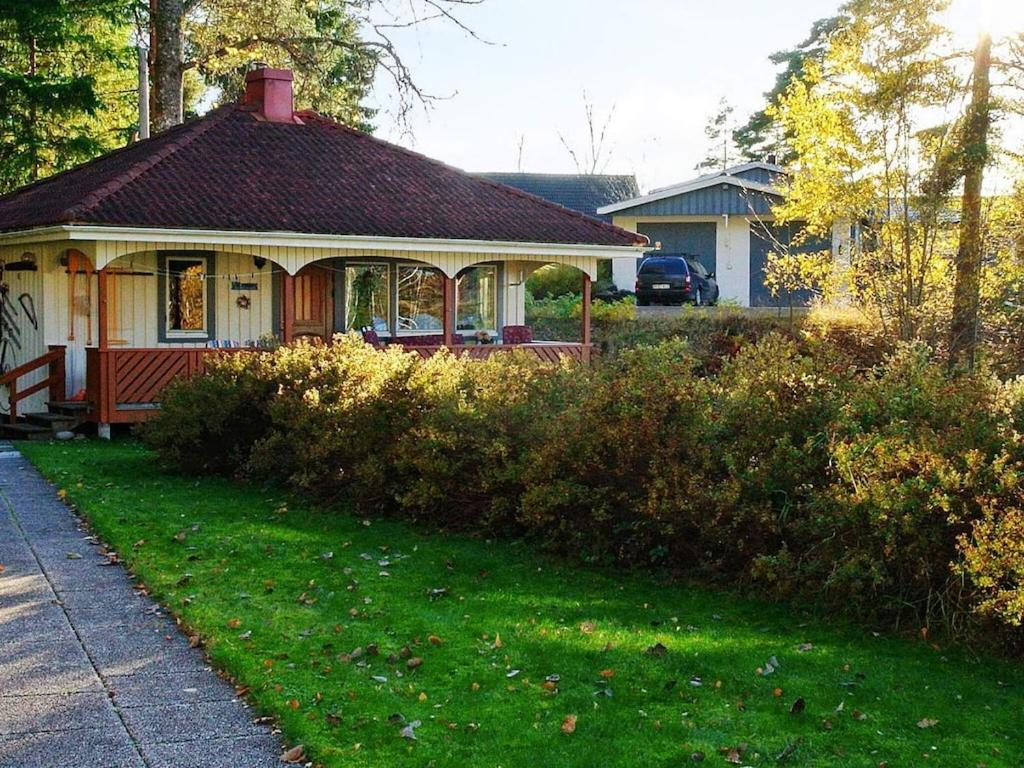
x=569, y=724
x=73, y=556
x=409, y=731
x=927, y=723
x=697, y=757
x=777, y=693
x=422, y=696
x=234, y=623
x=414, y=662
x=733, y=755
x=296, y=754
x=587, y=627
x=858, y=715
x=294, y=703
x=657, y=650
x=434, y=640
x=805, y=647
x=607, y=674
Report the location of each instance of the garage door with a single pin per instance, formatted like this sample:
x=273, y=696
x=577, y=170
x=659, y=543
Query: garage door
x=764, y=239
x=693, y=238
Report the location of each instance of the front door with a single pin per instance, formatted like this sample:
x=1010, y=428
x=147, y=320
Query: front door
x=314, y=303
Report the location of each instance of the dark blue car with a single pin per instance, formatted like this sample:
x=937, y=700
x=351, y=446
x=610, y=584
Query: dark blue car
x=675, y=279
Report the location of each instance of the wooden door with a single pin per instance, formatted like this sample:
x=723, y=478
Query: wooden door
x=314, y=303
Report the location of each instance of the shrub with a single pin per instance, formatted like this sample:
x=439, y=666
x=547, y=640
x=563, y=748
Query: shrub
x=779, y=463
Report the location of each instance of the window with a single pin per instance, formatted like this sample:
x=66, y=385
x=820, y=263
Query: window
x=420, y=300
x=367, y=297
x=697, y=267
x=186, y=298
x=477, y=299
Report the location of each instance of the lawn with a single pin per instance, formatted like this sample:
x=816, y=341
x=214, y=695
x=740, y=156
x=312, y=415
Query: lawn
x=349, y=630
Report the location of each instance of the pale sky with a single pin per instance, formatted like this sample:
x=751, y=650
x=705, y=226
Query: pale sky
x=662, y=65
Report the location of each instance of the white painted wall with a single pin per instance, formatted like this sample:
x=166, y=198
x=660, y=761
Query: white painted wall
x=733, y=272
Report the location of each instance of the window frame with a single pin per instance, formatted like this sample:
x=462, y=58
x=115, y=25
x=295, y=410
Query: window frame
x=390, y=280
x=423, y=267
x=493, y=332
x=167, y=335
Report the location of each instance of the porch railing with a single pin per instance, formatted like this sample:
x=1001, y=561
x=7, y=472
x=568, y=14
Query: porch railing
x=53, y=361
x=125, y=385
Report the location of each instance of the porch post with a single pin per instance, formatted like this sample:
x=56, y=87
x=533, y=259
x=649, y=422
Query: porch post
x=103, y=392
x=287, y=308
x=449, y=311
x=586, y=317
x=102, y=303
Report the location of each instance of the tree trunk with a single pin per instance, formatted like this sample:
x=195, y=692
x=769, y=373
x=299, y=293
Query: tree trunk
x=166, y=18
x=967, y=289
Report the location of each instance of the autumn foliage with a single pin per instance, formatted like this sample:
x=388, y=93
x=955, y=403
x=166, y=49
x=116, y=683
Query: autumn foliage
x=891, y=493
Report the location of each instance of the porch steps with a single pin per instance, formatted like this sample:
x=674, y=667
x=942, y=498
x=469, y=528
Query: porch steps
x=60, y=416
x=25, y=431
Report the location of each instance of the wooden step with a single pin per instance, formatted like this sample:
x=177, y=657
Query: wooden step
x=68, y=407
x=56, y=421
x=22, y=431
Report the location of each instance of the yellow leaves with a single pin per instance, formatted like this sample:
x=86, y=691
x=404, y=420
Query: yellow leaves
x=569, y=724
x=293, y=703
x=234, y=623
x=62, y=494
x=475, y=687
x=435, y=640
x=607, y=674
x=422, y=697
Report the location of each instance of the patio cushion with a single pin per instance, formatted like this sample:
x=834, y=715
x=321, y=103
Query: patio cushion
x=517, y=334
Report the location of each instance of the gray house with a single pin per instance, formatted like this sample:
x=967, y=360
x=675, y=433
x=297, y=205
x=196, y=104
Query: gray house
x=724, y=219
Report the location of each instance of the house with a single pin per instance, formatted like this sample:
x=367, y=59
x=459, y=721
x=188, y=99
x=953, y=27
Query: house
x=725, y=220
x=583, y=192
x=256, y=221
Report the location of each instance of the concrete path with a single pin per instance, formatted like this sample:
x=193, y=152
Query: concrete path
x=91, y=673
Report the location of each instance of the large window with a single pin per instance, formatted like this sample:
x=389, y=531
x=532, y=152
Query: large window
x=477, y=300
x=186, y=298
x=420, y=300
x=367, y=297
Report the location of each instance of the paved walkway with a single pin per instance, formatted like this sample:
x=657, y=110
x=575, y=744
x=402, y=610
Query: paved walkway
x=91, y=673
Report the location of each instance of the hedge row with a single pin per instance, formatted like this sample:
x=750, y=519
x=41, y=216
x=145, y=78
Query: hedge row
x=891, y=494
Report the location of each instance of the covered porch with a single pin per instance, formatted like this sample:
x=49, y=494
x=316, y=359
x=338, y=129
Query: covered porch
x=120, y=319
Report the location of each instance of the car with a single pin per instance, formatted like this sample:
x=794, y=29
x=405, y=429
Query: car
x=675, y=279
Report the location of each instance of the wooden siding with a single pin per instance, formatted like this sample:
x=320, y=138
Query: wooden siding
x=711, y=201
x=22, y=338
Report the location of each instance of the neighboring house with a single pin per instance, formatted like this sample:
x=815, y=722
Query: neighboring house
x=724, y=219
x=257, y=221
x=582, y=192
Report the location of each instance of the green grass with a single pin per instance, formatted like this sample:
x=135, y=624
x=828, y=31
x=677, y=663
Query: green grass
x=253, y=572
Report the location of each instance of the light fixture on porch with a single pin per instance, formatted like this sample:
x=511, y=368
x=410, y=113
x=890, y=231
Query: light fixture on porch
x=27, y=263
x=259, y=261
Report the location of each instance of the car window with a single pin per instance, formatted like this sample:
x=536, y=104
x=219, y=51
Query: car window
x=696, y=266
x=663, y=267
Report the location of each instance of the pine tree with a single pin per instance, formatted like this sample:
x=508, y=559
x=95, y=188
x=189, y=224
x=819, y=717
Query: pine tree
x=66, y=80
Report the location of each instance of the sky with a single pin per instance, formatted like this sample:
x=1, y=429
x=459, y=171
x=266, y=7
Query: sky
x=658, y=67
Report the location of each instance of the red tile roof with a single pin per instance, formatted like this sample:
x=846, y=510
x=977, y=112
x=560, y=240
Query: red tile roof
x=231, y=170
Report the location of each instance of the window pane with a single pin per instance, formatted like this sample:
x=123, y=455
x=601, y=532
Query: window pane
x=186, y=285
x=478, y=299
x=367, y=297
x=420, y=299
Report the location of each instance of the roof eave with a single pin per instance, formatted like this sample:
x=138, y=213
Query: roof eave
x=666, y=193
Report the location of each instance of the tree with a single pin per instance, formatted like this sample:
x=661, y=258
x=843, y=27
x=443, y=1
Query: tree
x=596, y=155
x=963, y=340
x=66, y=85
x=872, y=129
x=721, y=149
x=760, y=137
x=334, y=47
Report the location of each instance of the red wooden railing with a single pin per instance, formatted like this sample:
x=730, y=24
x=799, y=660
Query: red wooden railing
x=54, y=382
x=125, y=385
x=547, y=351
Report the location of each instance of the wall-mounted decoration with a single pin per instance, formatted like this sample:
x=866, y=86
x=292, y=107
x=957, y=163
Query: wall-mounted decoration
x=243, y=302
x=237, y=285
x=27, y=263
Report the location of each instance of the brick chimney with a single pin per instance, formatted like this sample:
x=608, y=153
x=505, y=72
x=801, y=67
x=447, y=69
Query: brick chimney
x=269, y=92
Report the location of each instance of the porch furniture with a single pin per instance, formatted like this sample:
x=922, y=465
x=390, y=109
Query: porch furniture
x=429, y=340
x=371, y=337
x=517, y=334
